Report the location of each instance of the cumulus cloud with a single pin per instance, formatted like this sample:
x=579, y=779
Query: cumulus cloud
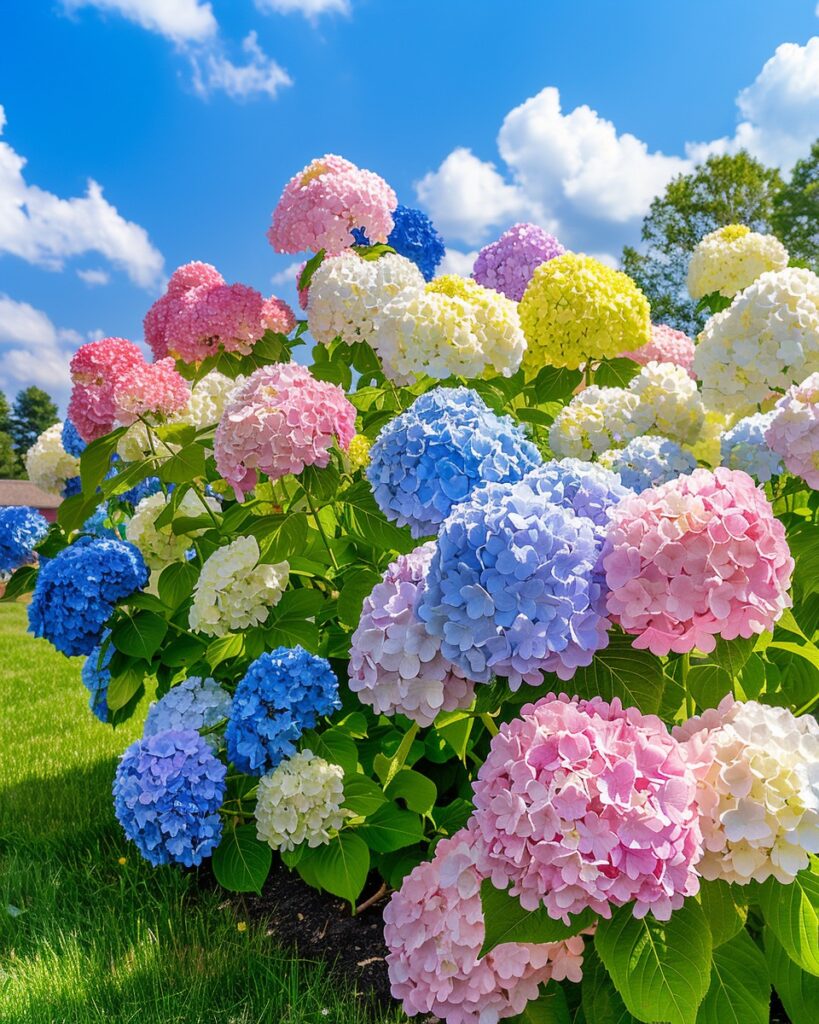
x=457, y=262
x=214, y=72
x=181, y=21
x=44, y=229
x=311, y=9
x=94, y=276
x=33, y=350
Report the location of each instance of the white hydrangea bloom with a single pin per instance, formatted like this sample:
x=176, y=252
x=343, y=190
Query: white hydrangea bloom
x=347, y=293
x=300, y=801
x=48, y=464
x=670, y=404
x=209, y=396
x=766, y=340
x=135, y=445
x=595, y=420
x=730, y=258
x=759, y=790
x=234, y=591
x=160, y=546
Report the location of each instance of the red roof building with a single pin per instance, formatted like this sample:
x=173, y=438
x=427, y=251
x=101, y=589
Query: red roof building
x=24, y=492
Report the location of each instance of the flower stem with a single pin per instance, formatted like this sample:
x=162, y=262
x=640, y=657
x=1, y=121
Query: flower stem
x=690, y=707
x=321, y=530
x=489, y=722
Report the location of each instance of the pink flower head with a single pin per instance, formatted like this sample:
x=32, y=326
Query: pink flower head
x=794, y=430
x=321, y=205
x=666, y=346
x=149, y=389
x=588, y=804
x=698, y=557
x=434, y=929
x=95, y=368
x=279, y=421
x=303, y=292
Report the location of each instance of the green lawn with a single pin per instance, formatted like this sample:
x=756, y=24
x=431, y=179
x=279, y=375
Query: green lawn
x=87, y=939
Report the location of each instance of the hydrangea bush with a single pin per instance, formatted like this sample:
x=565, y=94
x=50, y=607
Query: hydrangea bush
x=486, y=597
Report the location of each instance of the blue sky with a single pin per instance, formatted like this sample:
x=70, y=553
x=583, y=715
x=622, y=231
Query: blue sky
x=190, y=116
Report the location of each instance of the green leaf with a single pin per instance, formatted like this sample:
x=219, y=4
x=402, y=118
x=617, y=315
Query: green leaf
x=176, y=433
x=807, y=651
x=288, y=623
x=140, y=635
x=334, y=746
x=183, y=651
x=798, y=990
x=507, y=921
x=241, y=862
x=310, y=267
x=73, y=512
x=455, y=731
x=232, y=645
x=357, y=585
x=186, y=465
x=708, y=684
x=417, y=791
x=725, y=908
x=662, y=970
x=367, y=522
x=549, y=1008
x=740, y=992
x=22, y=582
x=279, y=536
x=731, y=655
x=95, y=461
x=615, y=373
x=391, y=828
x=792, y=913
x=601, y=1001
x=124, y=685
x=176, y=583
x=805, y=550
x=556, y=384
x=362, y=795
x=636, y=677
x=320, y=484
x=340, y=866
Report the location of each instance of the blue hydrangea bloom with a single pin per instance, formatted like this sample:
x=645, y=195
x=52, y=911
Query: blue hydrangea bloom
x=21, y=528
x=96, y=524
x=72, y=486
x=283, y=693
x=744, y=447
x=96, y=676
x=585, y=488
x=195, y=703
x=649, y=461
x=168, y=790
x=438, y=451
x=512, y=588
x=413, y=236
x=144, y=489
x=72, y=442
x=78, y=588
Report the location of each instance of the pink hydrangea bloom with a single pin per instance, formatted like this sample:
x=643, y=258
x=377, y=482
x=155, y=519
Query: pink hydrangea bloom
x=95, y=368
x=321, y=205
x=666, y=346
x=434, y=929
x=149, y=389
x=303, y=292
x=794, y=430
x=395, y=665
x=698, y=557
x=587, y=804
x=279, y=421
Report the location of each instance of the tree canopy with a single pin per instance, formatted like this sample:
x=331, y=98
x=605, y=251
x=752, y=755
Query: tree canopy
x=34, y=410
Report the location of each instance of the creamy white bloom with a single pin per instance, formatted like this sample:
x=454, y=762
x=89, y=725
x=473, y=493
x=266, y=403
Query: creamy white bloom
x=234, y=591
x=300, y=801
x=669, y=403
x=48, y=464
x=730, y=258
x=160, y=545
x=766, y=340
x=595, y=420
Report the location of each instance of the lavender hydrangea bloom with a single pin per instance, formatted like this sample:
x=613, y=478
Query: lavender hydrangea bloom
x=512, y=589
x=77, y=589
x=438, y=451
x=585, y=488
x=21, y=528
x=72, y=442
x=168, y=790
x=413, y=236
x=508, y=264
x=195, y=703
x=283, y=693
x=96, y=675
x=744, y=447
x=648, y=461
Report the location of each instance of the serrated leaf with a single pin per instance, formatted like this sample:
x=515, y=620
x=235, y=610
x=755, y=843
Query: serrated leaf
x=636, y=677
x=367, y=522
x=797, y=990
x=708, y=684
x=21, y=582
x=556, y=384
x=601, y=1002
x=183, y=651
x=124, y=685
x=356, y=586
x=288, y=622
x=176, y=583
x=223, y=648
x=725, y=907
x=740, y=992
x=279, y=536
x=241, y=862
x=187, y=464
x=615, y=373
x=792, y=913
x=320, y=484
x=140, y=635
x=391, y=828
x=507, y=921
x=334, y=746
x=340, y=866
x=95, y=460
x=731, y=655
x=362, y=795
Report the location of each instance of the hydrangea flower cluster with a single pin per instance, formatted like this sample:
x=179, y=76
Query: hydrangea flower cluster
x=21, y=529
x=234, y=591
x=768, y=338
x=508, y=264
x=149, y=389
x=195, y=703
x=209, y=396
x=358, y=454
x=794, y=430
x=744, y=447
x=648, y=461
x=48, y=464
x=347, y=294
x=595, y=420
x=669, y=403
x=588, y=804
x=706, y=448
x=279, y=421
x=667, y=345
x=496, y=322
x=395, y=666
x=284, y=692
x=434, y=929
x=512, y=588
x=322, y=205
x=72, y=443
x=576, y=309
x=730, y=258
x=434, y=454
x=76, y=592
x=96, y=675
x=414, y=236
x=167, y=793
x=584, y=488
x=300, y=802
x=160, y=545
x=200, y=315
x=95, y=369
x=698, y=557
x=759, y=794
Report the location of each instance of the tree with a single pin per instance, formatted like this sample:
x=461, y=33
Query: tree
x=9, y=464
x=796, y=210
x=5, y=413
x=33, y=411
x=724, y=190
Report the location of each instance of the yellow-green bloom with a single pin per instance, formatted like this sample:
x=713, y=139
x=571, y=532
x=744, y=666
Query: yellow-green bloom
x=731, y=258
x=359, y=452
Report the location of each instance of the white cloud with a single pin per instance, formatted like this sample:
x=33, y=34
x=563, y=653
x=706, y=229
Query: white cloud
x=94, y=276
x=44, y=229
x=33, y=350
x=311, y=9
x=287, y=275
x=457, y=262
x=213, y=72
x=181, y=21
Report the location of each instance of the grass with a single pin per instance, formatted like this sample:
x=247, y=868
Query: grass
x=86, y=939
